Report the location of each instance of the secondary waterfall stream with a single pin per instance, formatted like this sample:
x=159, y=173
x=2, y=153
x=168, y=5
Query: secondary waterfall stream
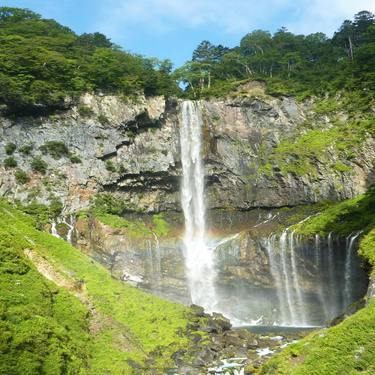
x=199, y=260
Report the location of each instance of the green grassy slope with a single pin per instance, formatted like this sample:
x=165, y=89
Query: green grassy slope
x=111, y=328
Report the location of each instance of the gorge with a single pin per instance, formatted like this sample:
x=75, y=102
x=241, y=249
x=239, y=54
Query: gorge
x=218, y=218
x=297, y=281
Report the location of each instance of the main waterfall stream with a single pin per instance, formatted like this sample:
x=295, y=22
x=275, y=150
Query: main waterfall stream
x=199, y=259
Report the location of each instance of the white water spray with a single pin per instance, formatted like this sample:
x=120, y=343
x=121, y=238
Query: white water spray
x=199, y=260
x=350, y=240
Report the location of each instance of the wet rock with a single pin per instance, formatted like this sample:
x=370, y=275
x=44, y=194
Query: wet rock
x=197, y=311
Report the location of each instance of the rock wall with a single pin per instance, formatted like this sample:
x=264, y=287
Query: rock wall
x=131, y=149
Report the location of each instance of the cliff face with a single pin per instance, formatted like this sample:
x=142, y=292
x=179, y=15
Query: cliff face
x=131, y=149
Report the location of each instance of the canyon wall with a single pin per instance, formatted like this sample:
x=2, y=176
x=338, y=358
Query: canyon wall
x=130, y=148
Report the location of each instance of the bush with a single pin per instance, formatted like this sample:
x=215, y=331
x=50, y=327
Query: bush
x=10, y=148
x=21, y=176
x=39, y=165
x=56, y=149
x=55, y=207
x=85, y=111
x=109, y=204
x=26, y=149
x=103, y=119
x=75, y=159
x=10, y=162
x=110, y=166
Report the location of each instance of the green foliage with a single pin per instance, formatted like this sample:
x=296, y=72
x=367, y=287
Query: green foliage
x=10, y=148
x=343, y=218
x=10, y=162
x=26, y=149
x=21, y=177
x=110, y=166
x=40, y=212
x=75, y=159
x=103, y=119
x=135, y=228
x=109, y=204
x=367, y=249
x=39, y=165
x=347, y=348
x=55, y=207
x=299, y=65
x=161, y=227
x=85, y=111
x=43, y=328
x=56, y=149
x=298, y=155
x=42, y=63
x=129, y=325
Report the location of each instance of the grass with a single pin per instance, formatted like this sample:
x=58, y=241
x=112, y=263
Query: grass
x=344, y=217
x=367, y=249
x=134, y=228
x=348, y=348
x=299, y=155
x=132, y=326
x=161, y=227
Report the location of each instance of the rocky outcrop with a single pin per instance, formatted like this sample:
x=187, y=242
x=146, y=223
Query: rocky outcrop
x=131, y=149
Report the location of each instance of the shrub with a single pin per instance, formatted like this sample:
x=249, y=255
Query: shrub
x=10, y=162
x=26, y=149
x=55, y=207
x=56, y=149
x=75, y=159
x=10, y=148
x=110, y=166
x=103, y=120
x=39, y=165
x=107, y=203
x=85, y=111
x=21, y=176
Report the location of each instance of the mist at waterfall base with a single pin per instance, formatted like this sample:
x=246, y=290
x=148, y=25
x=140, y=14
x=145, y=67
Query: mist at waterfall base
x=312, y=282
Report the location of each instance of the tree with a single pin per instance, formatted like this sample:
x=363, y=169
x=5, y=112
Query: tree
x=17, y=14
x=93, y=40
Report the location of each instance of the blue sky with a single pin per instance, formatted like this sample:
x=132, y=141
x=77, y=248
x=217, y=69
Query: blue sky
x=173, y=28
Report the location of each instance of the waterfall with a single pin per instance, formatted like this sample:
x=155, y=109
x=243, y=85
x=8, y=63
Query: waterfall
x=70, y=225
x=331, y=272
x=296, y=282
x=285, y=272
x=318, y=264
x=350, y=240
x=275, y=272
x=158, y=260
x=54, y=230
x=199, y=260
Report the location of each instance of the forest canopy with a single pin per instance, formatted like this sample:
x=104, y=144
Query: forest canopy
x=301, y=65
x=44, y=65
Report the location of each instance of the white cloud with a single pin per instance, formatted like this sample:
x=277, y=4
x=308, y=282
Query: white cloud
x=235, y=16
x=325, y=15
x=167, y=15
